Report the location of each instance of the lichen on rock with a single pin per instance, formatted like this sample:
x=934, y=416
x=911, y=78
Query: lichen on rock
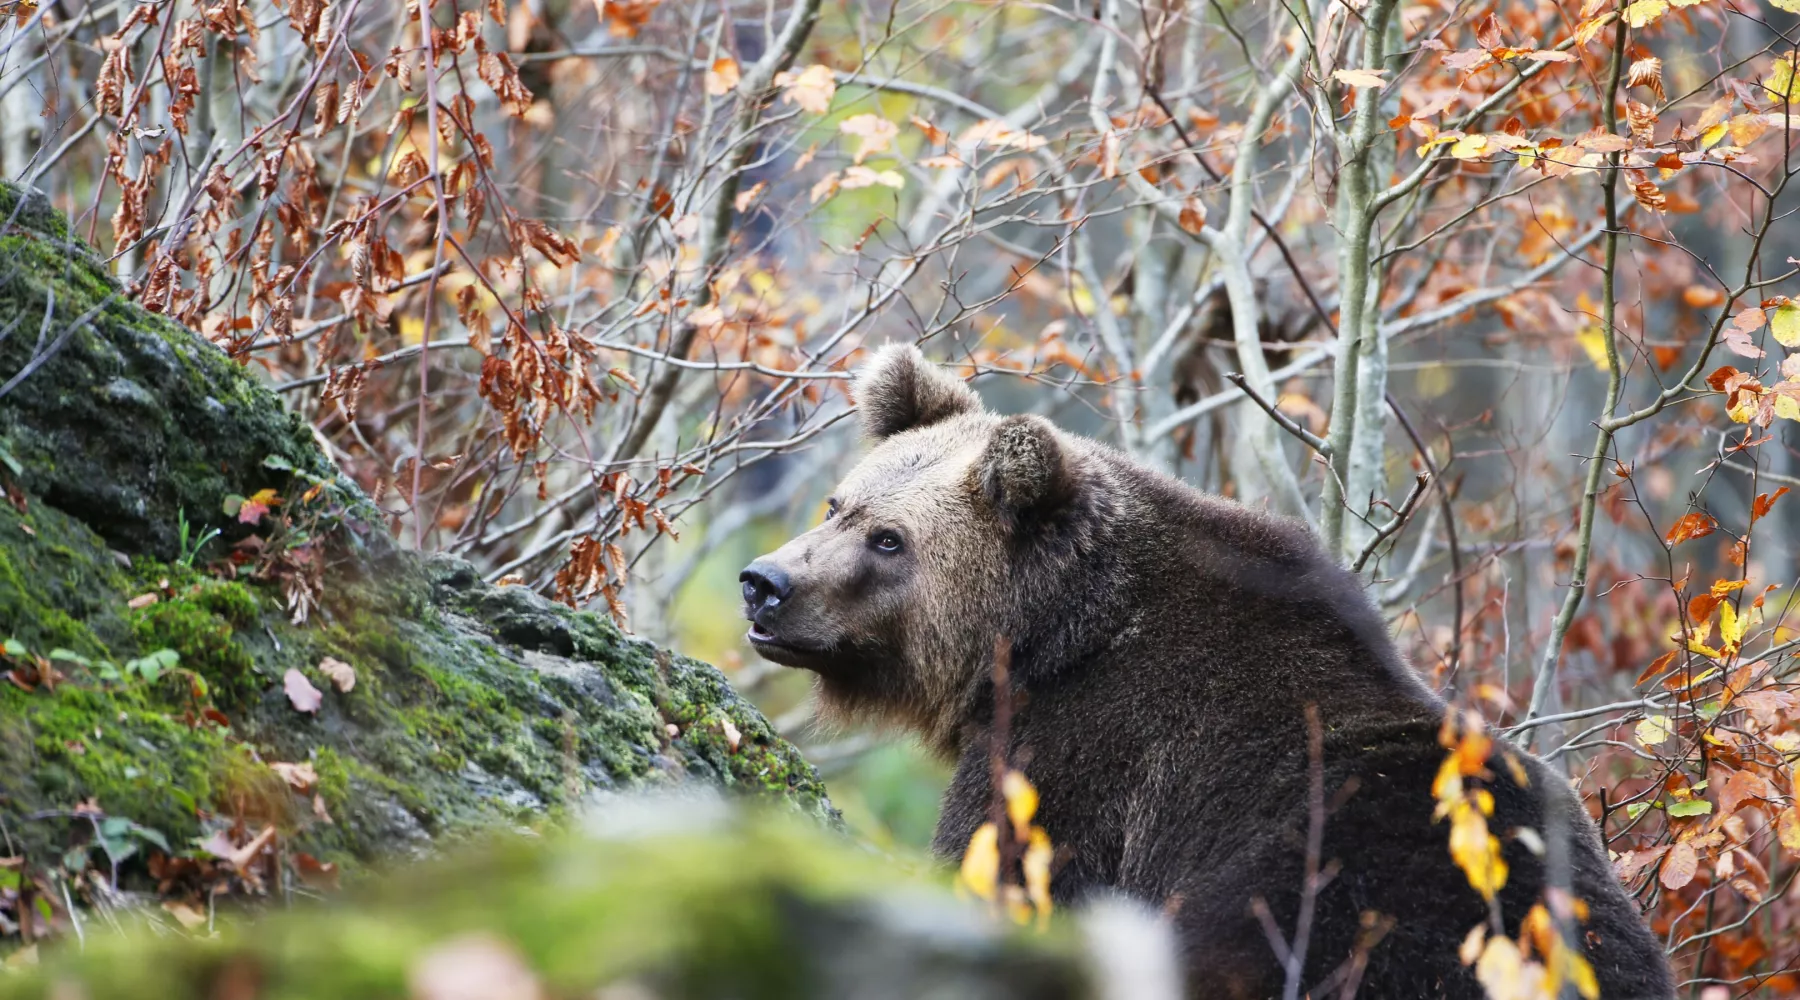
x=472, y=705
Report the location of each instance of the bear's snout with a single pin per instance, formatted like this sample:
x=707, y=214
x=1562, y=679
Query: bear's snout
x=765, y=586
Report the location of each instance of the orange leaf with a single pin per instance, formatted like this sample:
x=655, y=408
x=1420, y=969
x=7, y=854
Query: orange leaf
x=1741, y=787
x=1763, y=502
x=1694, y=524
x=1657, y=666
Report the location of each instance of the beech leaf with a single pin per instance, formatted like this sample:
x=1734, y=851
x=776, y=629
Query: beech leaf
x=301, y=694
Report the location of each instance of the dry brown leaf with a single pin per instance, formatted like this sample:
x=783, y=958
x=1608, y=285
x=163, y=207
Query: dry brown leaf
x=300, y=777
x=1679, y=869
x=341, y=674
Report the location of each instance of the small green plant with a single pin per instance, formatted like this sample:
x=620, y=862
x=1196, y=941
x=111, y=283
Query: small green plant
x=184, y=530
x=144, y=668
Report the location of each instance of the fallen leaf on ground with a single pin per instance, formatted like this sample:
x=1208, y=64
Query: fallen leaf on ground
x=343, y=675
x=301, y=694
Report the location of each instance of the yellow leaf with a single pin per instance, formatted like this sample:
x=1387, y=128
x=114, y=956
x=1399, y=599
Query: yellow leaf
x=1697, y=646
x=1781, y=80
x=1476, y=851
x=1711, y=137
x=1645, y=12
x=1791, y=6
x=1785, y=324
x=1441, y=139
x=1036, y=863
x=1654, y=730
x=1786, y=407
x=1732, y=627
x=1592, y=338
x=1787, y=828
x=1470, y=147
x=1447, y=786
x=1021, y=801
x=1585, y=32
x=1581, y=974
x=981, y=862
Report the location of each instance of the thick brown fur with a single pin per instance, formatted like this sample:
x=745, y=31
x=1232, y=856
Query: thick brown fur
x=1166, y=645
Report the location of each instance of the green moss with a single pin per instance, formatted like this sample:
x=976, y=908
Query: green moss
x=115, y=749
x=58, y=582
x=200, y=624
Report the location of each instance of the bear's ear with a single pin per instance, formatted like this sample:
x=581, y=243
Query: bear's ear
x=898, y=390
x=1023, y=469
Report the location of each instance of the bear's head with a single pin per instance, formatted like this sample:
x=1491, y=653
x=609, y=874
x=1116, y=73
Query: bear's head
x=896, y=600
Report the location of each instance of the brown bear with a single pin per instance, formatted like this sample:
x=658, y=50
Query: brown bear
x=1166, y=647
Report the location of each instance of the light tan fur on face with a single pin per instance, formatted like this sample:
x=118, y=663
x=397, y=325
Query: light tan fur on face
x=923, y=482
x=930, y=611
x=909, y=639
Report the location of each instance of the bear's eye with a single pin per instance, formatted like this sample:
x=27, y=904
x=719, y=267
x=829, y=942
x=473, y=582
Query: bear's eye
x=831, y=508
x=885, y=542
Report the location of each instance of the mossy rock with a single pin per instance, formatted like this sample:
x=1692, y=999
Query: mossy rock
x=672, y=901
x=473, y=706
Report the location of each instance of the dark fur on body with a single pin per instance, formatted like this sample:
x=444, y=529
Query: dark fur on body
x=1165, y=646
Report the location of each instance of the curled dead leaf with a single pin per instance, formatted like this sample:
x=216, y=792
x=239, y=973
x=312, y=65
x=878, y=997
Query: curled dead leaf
x=342, y=675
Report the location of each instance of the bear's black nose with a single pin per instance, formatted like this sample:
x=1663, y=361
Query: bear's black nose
x=765, y=585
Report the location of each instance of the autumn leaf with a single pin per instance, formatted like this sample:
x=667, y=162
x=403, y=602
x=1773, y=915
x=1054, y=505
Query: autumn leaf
x=1505, y=974
x=1653, y=731
x=1360, y=77
x=862, y=177
x=1787, y=829
x=980, y=872
x=1657, y=666
x=1785, y=324
x=875, y=132
x=1692, y=525
x=722, y=77
x=1645, y=12
x=1781, y=81
x=624, y=19
x=1679, y=867
x=811, y=89
x=341, y=674
x=300, y=692
x=1742, y=787
x=1021, y=801
x=1036, y=864
x=251, y=509
x=300, y=777
x=1193, y=216
x=1476, y=851
x=1763, y=503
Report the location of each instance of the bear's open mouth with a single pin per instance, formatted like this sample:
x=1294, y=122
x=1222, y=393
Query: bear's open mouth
x=777, y=650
